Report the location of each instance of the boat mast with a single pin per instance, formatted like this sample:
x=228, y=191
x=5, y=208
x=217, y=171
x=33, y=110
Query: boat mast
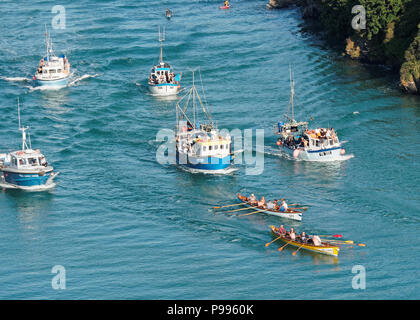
x=23, y=129
x=193, y=92
x=292, y=93
x=161, y=39
x=47, y=44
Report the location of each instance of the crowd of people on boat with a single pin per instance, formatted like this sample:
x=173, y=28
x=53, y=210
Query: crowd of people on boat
x=321, y=134
x=275, y=205
x=66, y=65
x=302, y=238
x=167, y=77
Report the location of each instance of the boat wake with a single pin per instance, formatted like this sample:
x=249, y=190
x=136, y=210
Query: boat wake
x=213, y=172
x=85, y=76
x=49, y=186
x=72, y=82
x=16, y=79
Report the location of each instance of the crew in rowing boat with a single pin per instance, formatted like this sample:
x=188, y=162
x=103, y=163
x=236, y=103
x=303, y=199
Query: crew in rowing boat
x=303, y=237
x=252, y=199
x=226, y=3
x=261, y=203
x=292, y=234
x=284, y=207
x=270, y=205
x=282, y=230
x=316, y=240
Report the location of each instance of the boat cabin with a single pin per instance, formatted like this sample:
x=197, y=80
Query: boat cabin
x=162, y=74
x=200, y=143
x=54, y=67
x=28, y=159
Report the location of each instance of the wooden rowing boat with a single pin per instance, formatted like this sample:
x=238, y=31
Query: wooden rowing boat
x=294, y=215
x=324, y=248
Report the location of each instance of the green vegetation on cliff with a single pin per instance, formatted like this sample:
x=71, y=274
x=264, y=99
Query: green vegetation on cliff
x=391, y=36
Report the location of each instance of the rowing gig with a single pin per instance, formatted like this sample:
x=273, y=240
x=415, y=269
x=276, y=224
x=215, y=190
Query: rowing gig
x=294, y=215
x=324, y=248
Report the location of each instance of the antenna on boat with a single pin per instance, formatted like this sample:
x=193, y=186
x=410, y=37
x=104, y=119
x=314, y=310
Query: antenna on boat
x=23, y=129
x=161, y=39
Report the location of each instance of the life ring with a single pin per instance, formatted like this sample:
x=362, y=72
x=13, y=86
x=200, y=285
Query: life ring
x=279, y=143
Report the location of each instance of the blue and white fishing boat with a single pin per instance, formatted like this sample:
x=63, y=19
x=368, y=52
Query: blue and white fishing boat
x=52, y=71
x=162, y=79
x=321, y=144
x=200, y=146
x=26, y=169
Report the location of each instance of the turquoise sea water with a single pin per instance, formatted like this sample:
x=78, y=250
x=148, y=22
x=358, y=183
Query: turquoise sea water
x=126, y=227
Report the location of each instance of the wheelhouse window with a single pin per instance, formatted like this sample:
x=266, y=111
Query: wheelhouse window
x=33, y=161
x=52, y=71
x=14, y=161
x=22, y=162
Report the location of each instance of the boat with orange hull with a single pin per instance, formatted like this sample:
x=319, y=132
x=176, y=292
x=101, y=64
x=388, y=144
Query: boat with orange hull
x=324, y=248
x=291, y=214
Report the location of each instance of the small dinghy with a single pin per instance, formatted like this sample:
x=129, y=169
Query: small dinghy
x=225, y=6
x=162, y=79
x=52, y=70
x=168, y=14
x=26, y=169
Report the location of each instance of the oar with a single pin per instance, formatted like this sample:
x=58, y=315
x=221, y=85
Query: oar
x=230, y=205
x=268, y=243
x=302, y=208
x=339, y=241
x=330, y=235
x=347, y=242
x=247, y=214
x=294, y=252
x=238, y=210
x=280, y=249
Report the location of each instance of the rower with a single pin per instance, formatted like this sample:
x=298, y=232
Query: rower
x=261, y=203
x=252, y=199
x=270, y=205
x=316, y=240
x=292, y=234
x=226, y=3
x=303, y=237
x=283, y=207
x=282, y=230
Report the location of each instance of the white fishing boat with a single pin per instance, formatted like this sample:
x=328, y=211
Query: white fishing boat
x=52, y=70
x=162, y=79
x=296, y=140
x=26, y=169
x=200, y=146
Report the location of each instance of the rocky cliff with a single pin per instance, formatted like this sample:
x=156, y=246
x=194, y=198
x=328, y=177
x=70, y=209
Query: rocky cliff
x=390, y=34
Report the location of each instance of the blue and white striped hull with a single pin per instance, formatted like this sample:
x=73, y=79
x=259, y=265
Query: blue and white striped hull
x=26, y=179
x=207, y=164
